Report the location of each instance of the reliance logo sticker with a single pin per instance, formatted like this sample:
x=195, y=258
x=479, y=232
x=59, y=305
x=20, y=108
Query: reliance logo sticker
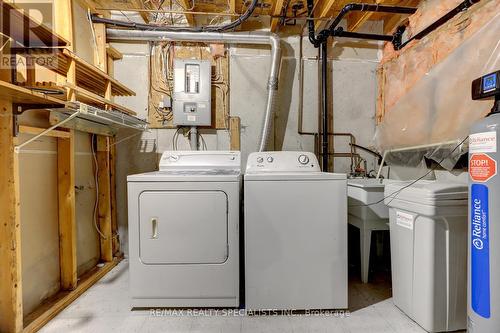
x=485, y=142
x=480, y=251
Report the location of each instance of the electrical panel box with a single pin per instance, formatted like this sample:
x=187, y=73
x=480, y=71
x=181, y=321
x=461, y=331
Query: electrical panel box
x=192, y=92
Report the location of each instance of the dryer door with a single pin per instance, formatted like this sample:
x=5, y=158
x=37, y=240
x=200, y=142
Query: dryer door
x=183, y=227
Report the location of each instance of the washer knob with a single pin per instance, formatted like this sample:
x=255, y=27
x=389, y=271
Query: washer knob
x=260, y=159
x=303, y=159
x=270, y=159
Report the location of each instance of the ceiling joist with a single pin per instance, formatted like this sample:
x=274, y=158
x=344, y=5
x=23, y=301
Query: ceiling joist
x=324, y=10
x=276, y=11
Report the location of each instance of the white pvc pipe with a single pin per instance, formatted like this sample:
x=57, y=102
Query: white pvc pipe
x=251, y=38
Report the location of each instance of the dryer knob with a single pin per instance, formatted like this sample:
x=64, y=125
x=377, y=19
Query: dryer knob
x=260, y=159
x=303, y=159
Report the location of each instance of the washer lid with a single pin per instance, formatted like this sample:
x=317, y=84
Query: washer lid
x=432, y=193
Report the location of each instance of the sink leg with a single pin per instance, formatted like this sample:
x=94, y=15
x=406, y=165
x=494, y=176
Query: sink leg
x=365, y=243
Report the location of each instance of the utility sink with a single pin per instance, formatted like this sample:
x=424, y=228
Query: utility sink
x=367, y=191
x=368, y=213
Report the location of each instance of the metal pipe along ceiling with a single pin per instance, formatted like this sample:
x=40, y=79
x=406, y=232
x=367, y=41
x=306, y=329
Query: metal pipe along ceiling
x=250, y=38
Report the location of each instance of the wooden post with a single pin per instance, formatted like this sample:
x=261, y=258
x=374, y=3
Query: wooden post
x=104, y=207
x=100, y=54
x=67, y=219
x=71, y=79
x=11, y=307
x=63, y=26
x=63, y=20
x=234, y=129
x=114, y=218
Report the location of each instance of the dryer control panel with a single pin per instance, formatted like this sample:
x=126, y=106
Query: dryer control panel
x=200, y=160
x=282, y=161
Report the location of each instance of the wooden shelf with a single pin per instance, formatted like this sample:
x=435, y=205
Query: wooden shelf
x=90, y=98
x=20, y=95
x=88, y=76
x=26, y=31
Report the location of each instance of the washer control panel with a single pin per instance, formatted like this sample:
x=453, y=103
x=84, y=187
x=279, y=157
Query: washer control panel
x=282, y=161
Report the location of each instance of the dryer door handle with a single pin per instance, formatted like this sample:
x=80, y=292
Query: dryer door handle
x=154, y=228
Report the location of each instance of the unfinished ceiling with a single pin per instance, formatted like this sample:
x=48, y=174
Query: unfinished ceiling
x=279, y=15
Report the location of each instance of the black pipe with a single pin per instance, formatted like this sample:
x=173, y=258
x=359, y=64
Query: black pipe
x=398, y=45
x=339, y=32
x=142, y=26
x=324, y=103
x=362, y=7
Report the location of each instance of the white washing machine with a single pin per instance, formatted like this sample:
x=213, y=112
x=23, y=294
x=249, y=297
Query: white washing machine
x=184, y=231
x=295, y=233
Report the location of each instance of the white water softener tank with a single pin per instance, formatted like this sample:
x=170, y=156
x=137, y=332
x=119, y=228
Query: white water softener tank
x=428, y=225
x=484, y=228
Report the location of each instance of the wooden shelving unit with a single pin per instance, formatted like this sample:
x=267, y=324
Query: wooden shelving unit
x=20, y=95
x=25, y=30
x=88, y=76
x=75, y=80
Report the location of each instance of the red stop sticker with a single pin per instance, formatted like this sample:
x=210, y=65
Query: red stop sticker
x=482, y=167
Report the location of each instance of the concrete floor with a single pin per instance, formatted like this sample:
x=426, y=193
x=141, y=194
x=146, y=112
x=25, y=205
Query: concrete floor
x=105, y=308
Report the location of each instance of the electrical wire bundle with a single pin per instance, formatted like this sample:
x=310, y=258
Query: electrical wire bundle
x=175, y=138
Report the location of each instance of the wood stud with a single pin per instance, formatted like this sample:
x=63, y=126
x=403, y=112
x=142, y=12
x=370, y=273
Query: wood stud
x=104, y=193
x=11, y=308
x=67, y=218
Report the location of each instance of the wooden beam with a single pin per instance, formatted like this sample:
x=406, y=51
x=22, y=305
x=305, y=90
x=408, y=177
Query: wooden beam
x=49, y=309
x=67, y=219
x=232, y=6
x=391, y=22
x=63, y=25
x=104, y=193
x=63, y=21
x=276, y=11
x=323, y=9
x=100, y=53
x=11, y=307
x=186, y=4
x=114, y=214
x=356, y=20
x=235, y=133
x=113, y=52
x=140, y=5
x=37, y=130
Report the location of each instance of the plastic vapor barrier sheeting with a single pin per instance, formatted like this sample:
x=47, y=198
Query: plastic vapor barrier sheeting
x=439, y=110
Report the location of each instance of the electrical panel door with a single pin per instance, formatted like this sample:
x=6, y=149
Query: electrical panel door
x=192, y=92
